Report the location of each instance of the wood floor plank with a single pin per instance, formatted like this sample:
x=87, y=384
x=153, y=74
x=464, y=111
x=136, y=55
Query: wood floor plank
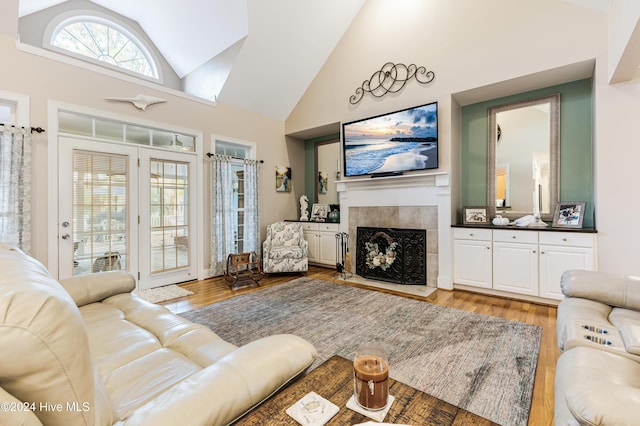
x=214, y=290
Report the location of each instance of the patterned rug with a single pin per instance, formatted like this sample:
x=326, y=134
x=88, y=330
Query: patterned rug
x=161, y=294
x=483, y=364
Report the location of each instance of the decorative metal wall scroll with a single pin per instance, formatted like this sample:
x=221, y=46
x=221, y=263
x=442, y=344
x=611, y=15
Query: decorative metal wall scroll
x=390, y=79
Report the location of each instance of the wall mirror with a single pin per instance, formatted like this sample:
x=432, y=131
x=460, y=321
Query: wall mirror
x=523, y=158
x=326, y=171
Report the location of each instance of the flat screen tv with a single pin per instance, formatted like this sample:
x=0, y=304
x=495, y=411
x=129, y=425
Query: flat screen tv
x=392, y=143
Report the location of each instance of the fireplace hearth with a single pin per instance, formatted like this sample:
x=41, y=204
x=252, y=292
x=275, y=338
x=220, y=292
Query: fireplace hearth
x=396, y=255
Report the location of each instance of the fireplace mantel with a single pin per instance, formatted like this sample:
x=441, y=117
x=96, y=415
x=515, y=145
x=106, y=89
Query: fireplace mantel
x=421, y=179
x=417, y=190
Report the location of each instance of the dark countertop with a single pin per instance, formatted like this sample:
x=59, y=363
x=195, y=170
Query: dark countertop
x=310, y=221
x=527, y=228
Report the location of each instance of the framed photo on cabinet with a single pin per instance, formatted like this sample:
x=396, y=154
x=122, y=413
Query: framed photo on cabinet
x=569, y=214
x=319, y=212
x=475, y=215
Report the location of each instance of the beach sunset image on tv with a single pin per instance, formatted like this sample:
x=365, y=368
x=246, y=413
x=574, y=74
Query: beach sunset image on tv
x=392, y=143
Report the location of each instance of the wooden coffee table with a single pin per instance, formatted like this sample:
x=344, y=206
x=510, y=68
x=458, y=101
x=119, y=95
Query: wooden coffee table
x=333, y=380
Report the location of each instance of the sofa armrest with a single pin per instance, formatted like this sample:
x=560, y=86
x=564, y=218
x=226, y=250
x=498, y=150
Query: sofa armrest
x=305, y=247
x=91, y=288
x=607, y=404
x=228, y=389
x=596, y=387
x=612, y=289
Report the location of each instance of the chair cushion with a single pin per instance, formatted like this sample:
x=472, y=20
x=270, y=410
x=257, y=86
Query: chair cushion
x=286, y=252
x=285, y=234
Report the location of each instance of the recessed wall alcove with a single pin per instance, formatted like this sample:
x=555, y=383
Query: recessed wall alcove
x=576, y=145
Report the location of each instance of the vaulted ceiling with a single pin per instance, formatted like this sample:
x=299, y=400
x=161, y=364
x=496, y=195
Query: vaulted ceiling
x=272, y=49
x=277, y=46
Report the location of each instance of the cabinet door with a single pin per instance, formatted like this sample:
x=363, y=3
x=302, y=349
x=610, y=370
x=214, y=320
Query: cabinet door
x=515, y=268
x=554, y=260
x=472, y=263
x=312, y=238
x=327, y=246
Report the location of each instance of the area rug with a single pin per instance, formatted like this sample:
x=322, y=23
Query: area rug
x=483, y=364
x=161, y=294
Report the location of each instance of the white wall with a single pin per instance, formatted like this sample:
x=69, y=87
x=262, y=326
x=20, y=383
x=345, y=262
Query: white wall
x=624, y=40
x=483, y=50
x=617, y=110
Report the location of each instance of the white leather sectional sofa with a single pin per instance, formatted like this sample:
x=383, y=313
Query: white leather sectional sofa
x=88, y=352
x=598, y=328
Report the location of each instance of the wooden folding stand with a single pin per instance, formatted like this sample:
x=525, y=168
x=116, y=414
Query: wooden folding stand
x=243, y=266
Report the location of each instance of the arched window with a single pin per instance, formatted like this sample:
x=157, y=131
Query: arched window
x=105, y=41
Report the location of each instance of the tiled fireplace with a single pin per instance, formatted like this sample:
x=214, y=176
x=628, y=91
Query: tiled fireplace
x=414, y=201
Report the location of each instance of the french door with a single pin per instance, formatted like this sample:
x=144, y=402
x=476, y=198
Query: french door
x=125, y=207
x=167, y=217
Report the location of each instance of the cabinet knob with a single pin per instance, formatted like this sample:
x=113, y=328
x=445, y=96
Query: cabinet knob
x=564, y=239
x=541, y=252
x=488, y=248
x=471, y=235
x=514, y=237
x=533, y=251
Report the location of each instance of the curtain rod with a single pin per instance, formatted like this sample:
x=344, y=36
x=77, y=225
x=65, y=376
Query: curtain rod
x=235, y=158
x=33, y=129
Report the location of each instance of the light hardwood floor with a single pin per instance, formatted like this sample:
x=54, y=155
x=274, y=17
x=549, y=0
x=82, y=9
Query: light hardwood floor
x=216, y=289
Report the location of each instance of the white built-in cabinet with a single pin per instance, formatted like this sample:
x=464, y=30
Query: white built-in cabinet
x=322, y=242
x=520, y=262
x=561, y=251
x=515, y=261
x=474, y=246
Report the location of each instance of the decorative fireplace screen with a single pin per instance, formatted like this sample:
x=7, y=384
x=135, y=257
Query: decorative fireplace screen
x=396, y=255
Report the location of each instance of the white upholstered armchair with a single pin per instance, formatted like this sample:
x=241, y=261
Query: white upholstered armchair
x=285, y=249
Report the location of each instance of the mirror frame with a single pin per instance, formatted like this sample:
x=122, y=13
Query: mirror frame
x=554, y=154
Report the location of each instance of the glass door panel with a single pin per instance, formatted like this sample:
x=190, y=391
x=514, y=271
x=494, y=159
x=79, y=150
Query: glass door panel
x=99, y=212
x=96, y=223
x=167, y=217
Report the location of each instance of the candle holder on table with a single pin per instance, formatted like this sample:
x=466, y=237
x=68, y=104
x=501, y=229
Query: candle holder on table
x=371, y=377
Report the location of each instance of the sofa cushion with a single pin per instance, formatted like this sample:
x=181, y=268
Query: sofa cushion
x=232, y=386
x=143, y=350
x=196, y=341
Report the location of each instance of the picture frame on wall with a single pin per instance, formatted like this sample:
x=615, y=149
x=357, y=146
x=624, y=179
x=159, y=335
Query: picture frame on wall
x=283, y=179
x=475, y=215
x=319, y=211
x=569, y=214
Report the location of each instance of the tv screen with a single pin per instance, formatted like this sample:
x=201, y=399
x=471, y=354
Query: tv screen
x=392, y=143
